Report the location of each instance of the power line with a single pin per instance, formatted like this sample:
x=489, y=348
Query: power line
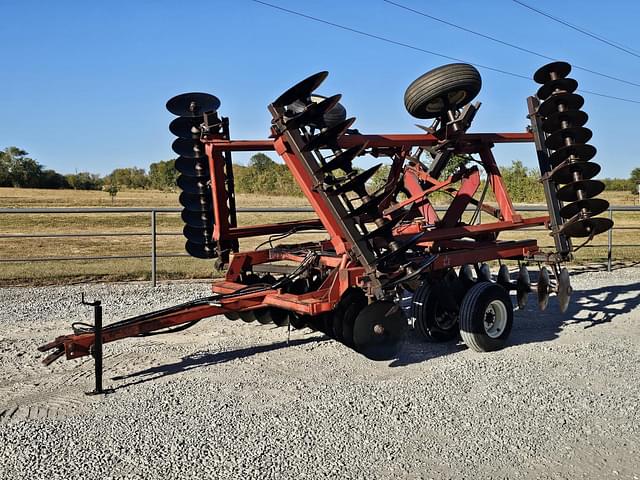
x=502, y=42
x=581, y=30
x=388, y=40
x=419, y=49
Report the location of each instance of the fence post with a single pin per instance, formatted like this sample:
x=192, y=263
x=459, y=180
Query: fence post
x=609, y=242
x=153, y=248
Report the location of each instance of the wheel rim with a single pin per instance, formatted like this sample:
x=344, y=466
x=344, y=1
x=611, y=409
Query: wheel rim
x=495, y=319
x=452, y=98
x=445, y=320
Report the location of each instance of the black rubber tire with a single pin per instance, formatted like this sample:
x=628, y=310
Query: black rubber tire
x=425, y=307
x=333, y=117
x=457, y=82
x=472, y=317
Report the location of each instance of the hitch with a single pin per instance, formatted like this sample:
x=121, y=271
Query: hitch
x=96, y=348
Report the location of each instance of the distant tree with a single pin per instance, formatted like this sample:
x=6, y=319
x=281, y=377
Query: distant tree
x=18, y=169
x=131, y=177
x=379, y=178
x=5, y=173
x=265, y=176
x=112, y=190
x=84, y=181
x=453, y=164
x=261, y=163
x=163, y=175
x=635, y=179
x=52, y=179
x=522, y=183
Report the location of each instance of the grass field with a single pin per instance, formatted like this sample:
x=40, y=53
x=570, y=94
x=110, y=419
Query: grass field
x=31, y=272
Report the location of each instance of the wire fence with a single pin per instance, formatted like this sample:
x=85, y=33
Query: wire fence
x=153, y=233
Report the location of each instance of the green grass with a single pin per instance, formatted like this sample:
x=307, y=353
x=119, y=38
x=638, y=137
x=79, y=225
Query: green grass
x=176, y=267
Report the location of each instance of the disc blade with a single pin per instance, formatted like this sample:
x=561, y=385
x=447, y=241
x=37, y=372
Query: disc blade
x=263, y=316
x=279, y=317
x=197, y=219
x=586, y=227
x=196, y=203
x=378, y=330
x=523, y=286
x=331, y=117
x=348, y=322
x=560, y=85
x=504, y=278
x=560, y=102
x=568, y=170
x=193, y=104
x=328, y=137
x=195, y=185
x=543, y=288
x=560, y=120
x=350, y=304
x=371, y=206
x=186, y=127
x=201, y=251
x=188, y=148
x=485, y=273
x=301, y=90
x=564, y=289
x=466, y=275
x=587, y=189
x=199, y=236
x=313, y=113
x=193, y=167
x=298, y=321
x=591, y=207
x=355, y=184
x=575, y=134
x=550, y=71
x=343, y=159
x=577, y=152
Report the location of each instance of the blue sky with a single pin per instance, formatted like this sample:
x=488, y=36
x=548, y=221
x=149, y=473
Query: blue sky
x=84, y=84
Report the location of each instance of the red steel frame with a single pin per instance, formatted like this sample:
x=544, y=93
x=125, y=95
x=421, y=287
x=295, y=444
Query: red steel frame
x=457, y=244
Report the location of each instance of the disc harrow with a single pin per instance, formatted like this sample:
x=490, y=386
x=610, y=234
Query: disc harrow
x=390, y=260
x=565, y=134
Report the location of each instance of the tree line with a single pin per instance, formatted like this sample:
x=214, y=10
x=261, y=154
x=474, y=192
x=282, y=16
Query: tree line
x=19, y=170
x=262, y=175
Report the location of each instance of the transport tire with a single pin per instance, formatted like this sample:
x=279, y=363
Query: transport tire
x=486, y=317
x=448, y=87
x=433, y=321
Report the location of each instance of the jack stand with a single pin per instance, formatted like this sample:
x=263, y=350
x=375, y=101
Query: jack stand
x=96, y=350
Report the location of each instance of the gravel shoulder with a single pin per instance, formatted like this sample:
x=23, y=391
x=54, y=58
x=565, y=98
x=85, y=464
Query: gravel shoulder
x=232, y=400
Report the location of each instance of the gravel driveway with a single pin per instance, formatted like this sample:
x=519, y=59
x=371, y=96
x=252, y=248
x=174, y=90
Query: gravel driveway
x=232, y=400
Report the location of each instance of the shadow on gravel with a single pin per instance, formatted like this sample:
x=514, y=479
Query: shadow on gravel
x=589, y=307
x=205, y=359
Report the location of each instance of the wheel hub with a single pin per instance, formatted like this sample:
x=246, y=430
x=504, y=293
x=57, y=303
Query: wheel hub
x=495, y=319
